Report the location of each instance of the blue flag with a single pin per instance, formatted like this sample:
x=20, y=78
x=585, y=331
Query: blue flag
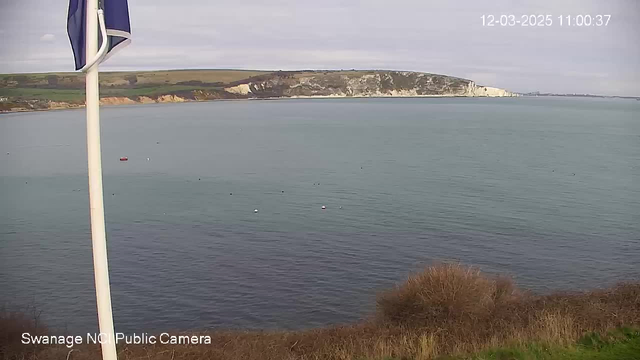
x=116, y=16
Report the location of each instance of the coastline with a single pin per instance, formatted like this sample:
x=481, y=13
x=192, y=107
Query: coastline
x=123, y=101
x=36, y=92
x=131, y=102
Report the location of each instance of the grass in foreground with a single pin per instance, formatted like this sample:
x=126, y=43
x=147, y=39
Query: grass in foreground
x=445, y=312
x=620, y=344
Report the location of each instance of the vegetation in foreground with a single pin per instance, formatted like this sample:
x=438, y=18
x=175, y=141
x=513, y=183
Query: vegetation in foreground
x=444, y=312
x=619, y=344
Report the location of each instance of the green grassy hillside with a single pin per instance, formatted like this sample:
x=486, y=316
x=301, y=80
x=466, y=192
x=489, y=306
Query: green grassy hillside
x=70, y=86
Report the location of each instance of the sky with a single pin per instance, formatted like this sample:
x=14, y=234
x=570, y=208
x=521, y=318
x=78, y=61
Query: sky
x=443, y=37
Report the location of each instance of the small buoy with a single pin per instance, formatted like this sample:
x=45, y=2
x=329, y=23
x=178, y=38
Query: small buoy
x=255, y=211
x=340, y=207
x=323, y=207
x=8, y=153
x=283, y=191
x=574, y=174
x=113, y=194
x=360, y=167
x=148, y=159
x=124, y=158
x=198, y=179
x=230, y=193
x=157, y=142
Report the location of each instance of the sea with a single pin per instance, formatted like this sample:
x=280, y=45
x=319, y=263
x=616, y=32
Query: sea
x=216, y=221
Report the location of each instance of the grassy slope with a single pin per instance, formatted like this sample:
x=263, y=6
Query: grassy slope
x=445, y=312
x=166, y=76
x=621, y=344
x=43, y=94
x=175, y=76
x=70, y=86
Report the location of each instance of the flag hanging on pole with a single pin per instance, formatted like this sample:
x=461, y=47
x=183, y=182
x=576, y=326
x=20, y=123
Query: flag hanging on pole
x=96, y=29
x=116, y=18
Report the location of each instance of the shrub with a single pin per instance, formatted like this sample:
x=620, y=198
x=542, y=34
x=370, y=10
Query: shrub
x=443, y=294
x=13, y=323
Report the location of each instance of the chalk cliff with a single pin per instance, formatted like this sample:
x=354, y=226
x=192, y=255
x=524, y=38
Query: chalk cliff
x=360, y=84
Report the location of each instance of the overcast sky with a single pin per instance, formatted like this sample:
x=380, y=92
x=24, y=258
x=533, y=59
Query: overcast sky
x=445, y=37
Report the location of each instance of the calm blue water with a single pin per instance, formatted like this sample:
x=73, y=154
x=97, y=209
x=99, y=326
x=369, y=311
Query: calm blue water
x=544, y=189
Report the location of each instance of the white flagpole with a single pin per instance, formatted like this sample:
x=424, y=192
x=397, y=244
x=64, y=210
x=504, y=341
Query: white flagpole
x=98, y=232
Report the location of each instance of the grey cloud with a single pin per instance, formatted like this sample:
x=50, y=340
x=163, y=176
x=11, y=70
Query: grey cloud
x=431, y=36
x=47, y=37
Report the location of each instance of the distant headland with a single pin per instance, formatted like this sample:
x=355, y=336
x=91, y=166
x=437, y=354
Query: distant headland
x=537, y=93
x=47, y=91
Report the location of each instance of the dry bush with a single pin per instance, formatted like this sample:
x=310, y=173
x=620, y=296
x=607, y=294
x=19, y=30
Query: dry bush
x=13, y=323
x=444, y=294
x=467, y=311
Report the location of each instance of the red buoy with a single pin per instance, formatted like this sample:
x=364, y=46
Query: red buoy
x=124, y=158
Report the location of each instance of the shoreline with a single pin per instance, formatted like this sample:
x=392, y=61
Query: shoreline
x=304, y=97
x=132, y=102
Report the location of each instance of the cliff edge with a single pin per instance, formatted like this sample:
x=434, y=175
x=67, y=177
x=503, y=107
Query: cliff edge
x=30, y=92
x=361, y=84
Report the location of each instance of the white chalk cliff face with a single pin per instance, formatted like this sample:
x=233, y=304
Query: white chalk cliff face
x=360, y=84
x=242, y=89
x=487, y=91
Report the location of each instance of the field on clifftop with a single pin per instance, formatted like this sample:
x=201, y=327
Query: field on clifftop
x=70, y=86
